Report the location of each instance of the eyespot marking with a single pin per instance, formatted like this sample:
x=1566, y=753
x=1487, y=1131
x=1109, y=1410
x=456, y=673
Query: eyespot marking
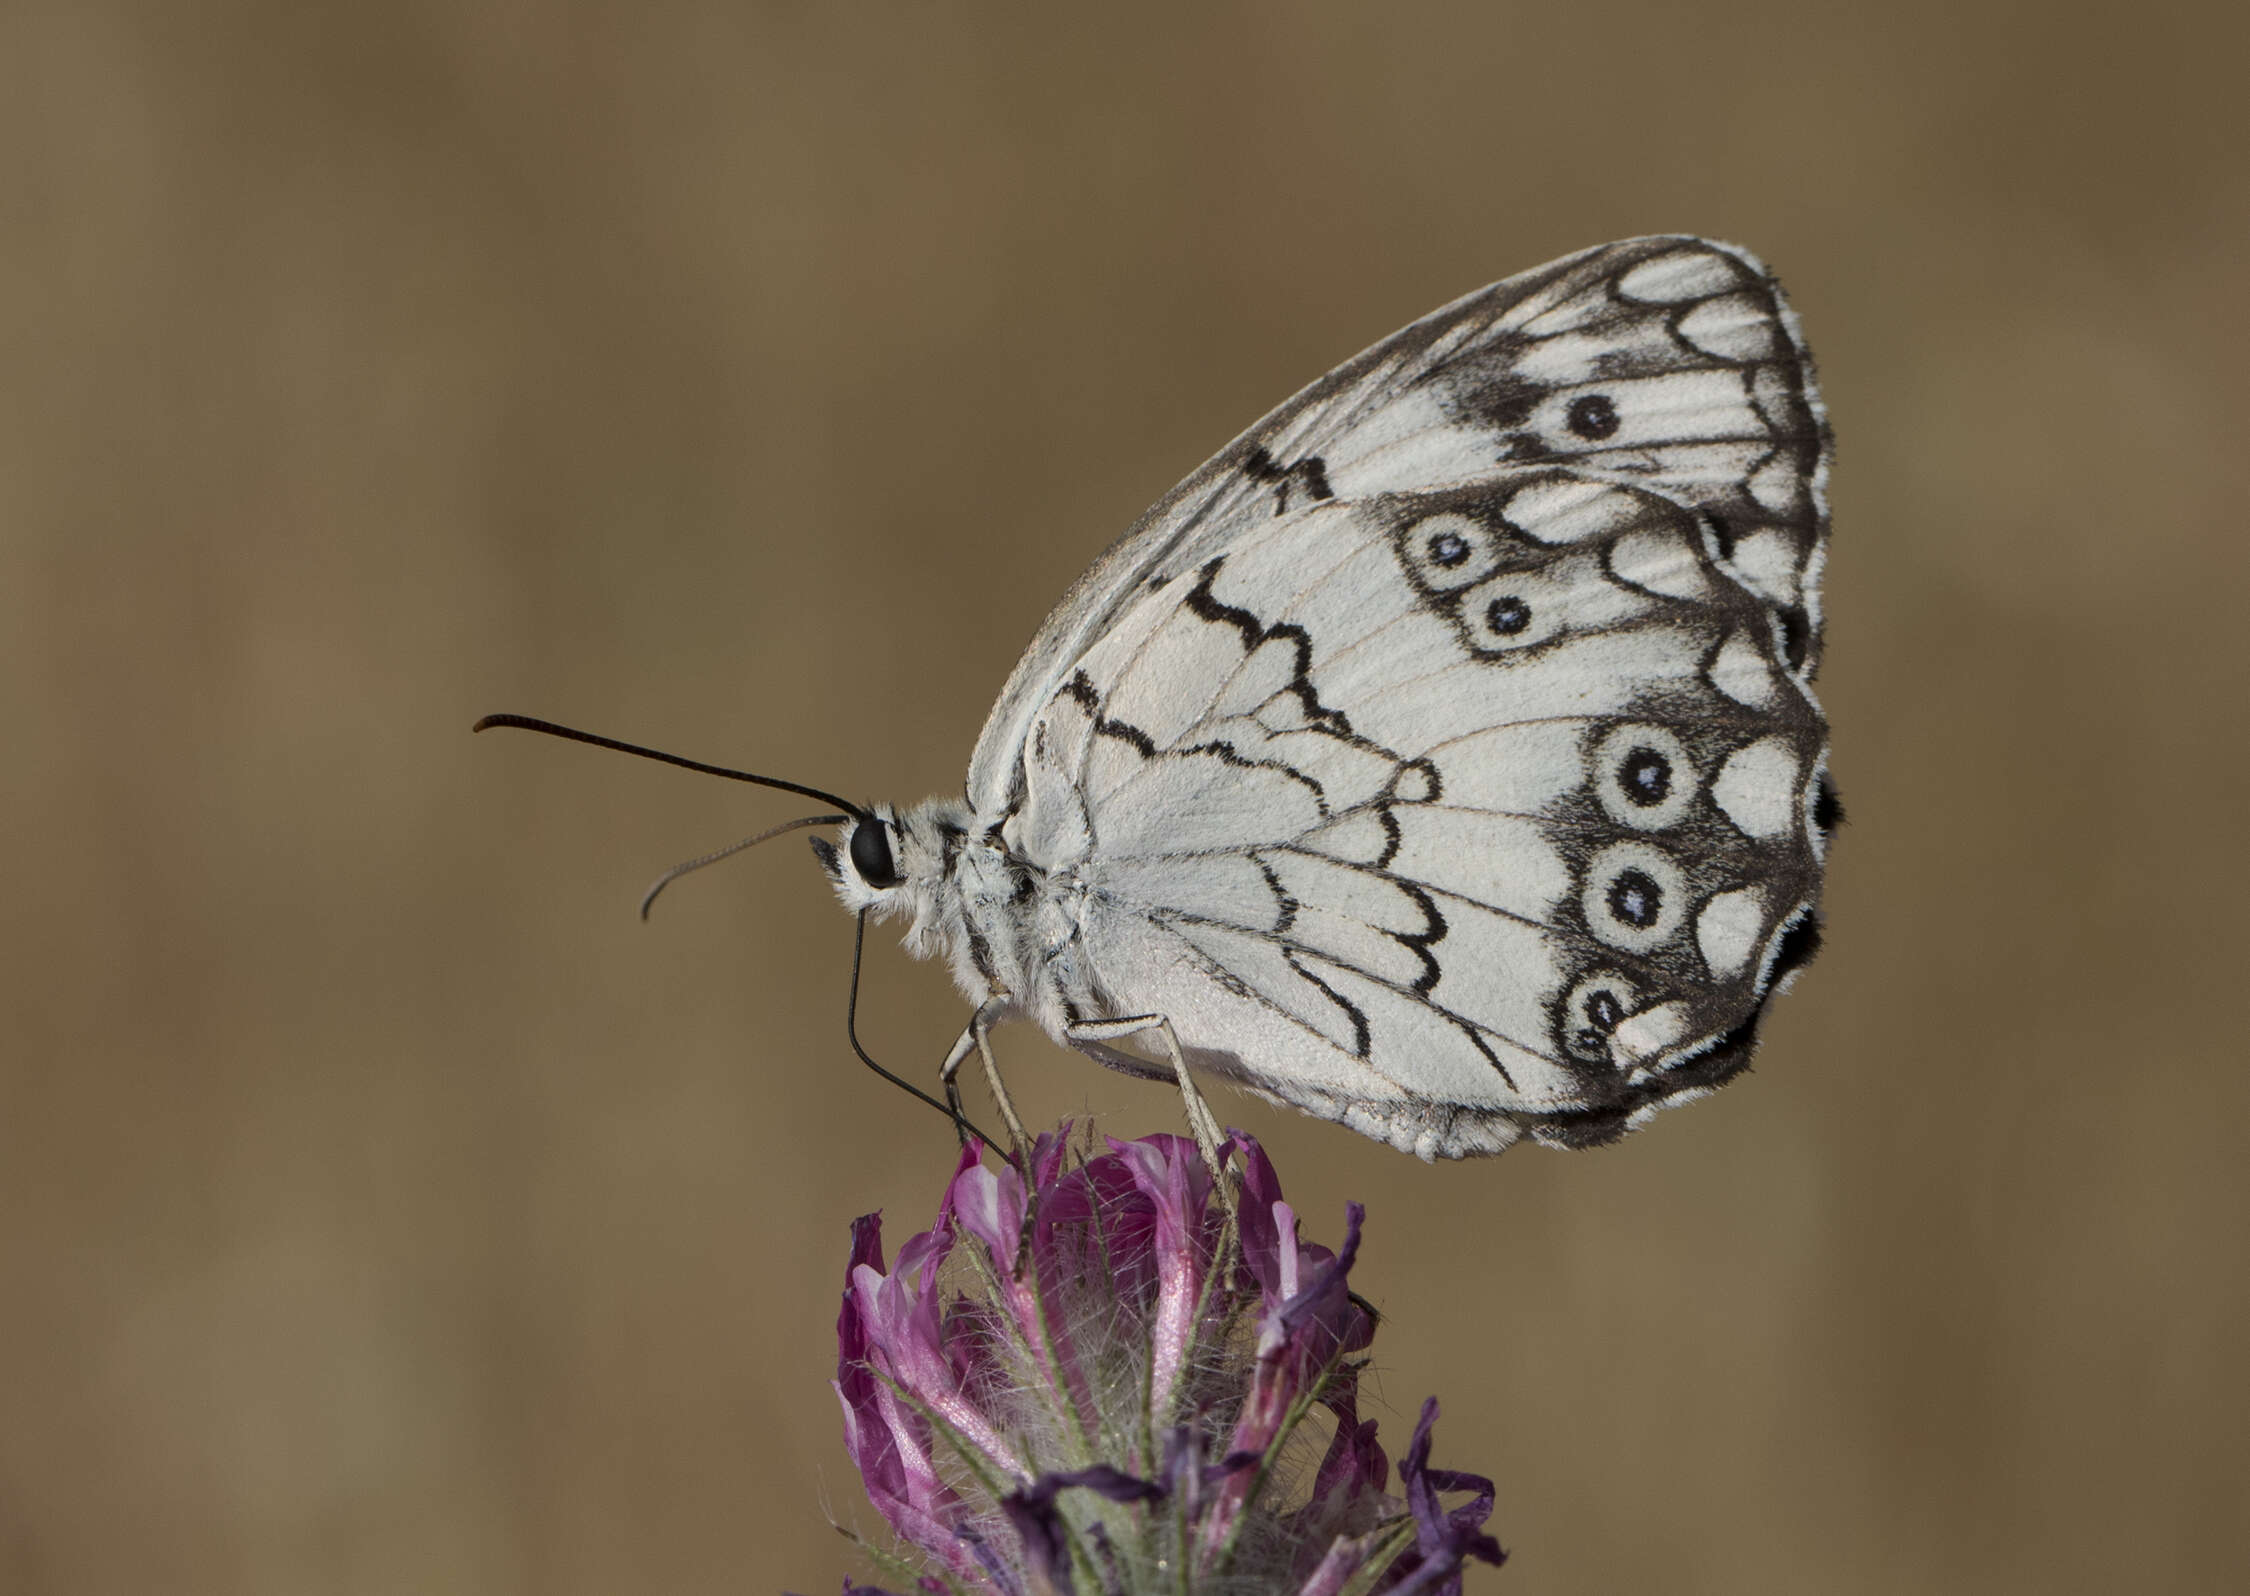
x=1645, y=777
x=1592, y=416
x=1507, y=615
x=1634, y=897
x=1448, y=551
x=1592, y=1010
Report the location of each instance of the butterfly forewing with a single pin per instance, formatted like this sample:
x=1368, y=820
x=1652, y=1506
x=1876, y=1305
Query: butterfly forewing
x=1674, y=362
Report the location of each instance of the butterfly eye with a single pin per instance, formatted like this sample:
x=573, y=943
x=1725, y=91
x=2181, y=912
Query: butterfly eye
x=871, y=854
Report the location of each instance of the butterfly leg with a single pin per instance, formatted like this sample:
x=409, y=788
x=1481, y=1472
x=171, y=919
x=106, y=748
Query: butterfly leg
x=950, y=1074
x=1209, y=1139
x=977, y=1037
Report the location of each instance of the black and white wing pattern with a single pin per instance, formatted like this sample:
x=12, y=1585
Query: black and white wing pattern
x=1442, y=757
x=1671, y=362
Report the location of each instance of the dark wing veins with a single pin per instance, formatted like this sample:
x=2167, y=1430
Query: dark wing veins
x=1312, y=471
x=1207, y=605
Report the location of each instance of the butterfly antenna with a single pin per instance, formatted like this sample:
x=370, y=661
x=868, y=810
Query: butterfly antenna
x=730, y=850
x=532, y=723
x=951, y=1111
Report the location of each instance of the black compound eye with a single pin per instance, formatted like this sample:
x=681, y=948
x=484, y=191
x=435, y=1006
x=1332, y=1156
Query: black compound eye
x=1645, y=777
x=871, y=854
x=1448, y=549
x=1592, y=416
x=1507, y=616
x=1634, y=897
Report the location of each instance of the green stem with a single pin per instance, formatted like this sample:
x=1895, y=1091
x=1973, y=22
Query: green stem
x=893, y=1566
x=1395, y=1540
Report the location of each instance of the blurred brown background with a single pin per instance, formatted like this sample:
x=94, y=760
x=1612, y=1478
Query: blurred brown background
x=383, y=1209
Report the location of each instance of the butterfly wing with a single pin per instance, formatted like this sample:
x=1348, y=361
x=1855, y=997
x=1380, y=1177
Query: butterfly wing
x=1432, y=766
x=1671, y=362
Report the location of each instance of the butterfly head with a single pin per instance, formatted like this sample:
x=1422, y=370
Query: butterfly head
x=891, y=862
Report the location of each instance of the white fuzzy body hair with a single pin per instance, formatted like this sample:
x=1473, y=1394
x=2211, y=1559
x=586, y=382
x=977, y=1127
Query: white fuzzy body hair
x=966, y=899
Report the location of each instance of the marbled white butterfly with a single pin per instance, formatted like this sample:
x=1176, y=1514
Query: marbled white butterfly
x=1441, y=758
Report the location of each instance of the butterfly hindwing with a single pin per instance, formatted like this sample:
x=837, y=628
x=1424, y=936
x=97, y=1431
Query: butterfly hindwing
x=1441, y=757
x=1449, y=814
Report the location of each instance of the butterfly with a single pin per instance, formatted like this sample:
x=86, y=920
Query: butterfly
x=1441, y=758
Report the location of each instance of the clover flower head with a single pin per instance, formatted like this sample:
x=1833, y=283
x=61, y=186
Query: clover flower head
x=1107, y=1378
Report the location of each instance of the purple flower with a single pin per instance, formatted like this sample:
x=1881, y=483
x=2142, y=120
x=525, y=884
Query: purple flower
x=1109, y=1383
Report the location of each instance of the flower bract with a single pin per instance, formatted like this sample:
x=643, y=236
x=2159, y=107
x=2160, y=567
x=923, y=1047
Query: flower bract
x=1109, y=1373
